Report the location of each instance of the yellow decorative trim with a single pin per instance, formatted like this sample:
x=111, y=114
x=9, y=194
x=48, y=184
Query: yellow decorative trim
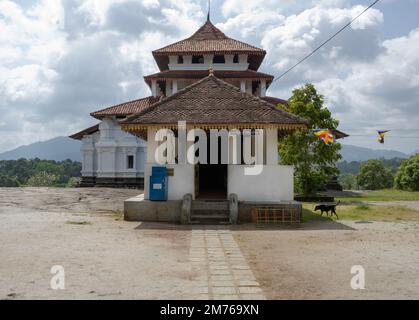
x=142, y=127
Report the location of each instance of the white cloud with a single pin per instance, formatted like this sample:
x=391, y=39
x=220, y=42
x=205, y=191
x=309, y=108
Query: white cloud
x=61, y=59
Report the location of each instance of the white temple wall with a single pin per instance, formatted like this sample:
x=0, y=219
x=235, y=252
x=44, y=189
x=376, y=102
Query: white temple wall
x=181, y=183
x=187, y=64
x=105, y=153
x=274, y=183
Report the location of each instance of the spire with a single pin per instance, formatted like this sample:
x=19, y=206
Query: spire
x=209, y=10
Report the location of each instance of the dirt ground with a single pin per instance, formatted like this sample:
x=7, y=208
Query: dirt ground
x=105, y=257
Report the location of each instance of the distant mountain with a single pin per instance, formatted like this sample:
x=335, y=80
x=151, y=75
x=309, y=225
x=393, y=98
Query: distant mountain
x=62, y=148
x=354, y=153
x=58, y=149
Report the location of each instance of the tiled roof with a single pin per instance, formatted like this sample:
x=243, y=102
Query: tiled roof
x=209, y=39
x=214, y=101
x=88, y=131
x=197, y=74
x=275, y=101
x=125, y=109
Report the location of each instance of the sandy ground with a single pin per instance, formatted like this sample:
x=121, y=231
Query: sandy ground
x=315, y=261
x=108, y=258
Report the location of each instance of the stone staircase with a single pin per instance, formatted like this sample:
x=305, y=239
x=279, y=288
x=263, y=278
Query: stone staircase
x=210, y=212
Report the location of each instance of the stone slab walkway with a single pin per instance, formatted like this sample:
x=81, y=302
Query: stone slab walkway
x=223, y=273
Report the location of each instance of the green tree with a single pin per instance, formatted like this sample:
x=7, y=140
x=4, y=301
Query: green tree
x=42, y=179
x=407, y=177
x=8, y=182
x=348, y=181
x=374, y=176
x=73, y=182
x=314, y=161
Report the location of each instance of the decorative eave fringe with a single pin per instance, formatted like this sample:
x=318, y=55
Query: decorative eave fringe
x=142, y=127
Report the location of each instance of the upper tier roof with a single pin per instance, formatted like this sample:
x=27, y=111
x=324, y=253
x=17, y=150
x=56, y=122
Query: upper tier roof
x=209, y=39
x=214, y=101
x=199, y=74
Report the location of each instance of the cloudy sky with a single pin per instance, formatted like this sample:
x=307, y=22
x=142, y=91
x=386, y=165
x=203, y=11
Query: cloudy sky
x=62, y=59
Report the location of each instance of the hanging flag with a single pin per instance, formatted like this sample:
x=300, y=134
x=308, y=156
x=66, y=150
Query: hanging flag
x=381, y=134
x=325, y=135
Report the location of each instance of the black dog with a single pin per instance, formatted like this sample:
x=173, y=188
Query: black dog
x=327, y=208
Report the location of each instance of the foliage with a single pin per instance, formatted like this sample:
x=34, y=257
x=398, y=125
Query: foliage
x=16, y=173
x=353, y=167
x=364, y=213
x=315, y=162
x=42, y=179
x=7, y=181
x=382, y=195
x=407, y=177
x=374, y=176
x=73, y=182
x=348, y=181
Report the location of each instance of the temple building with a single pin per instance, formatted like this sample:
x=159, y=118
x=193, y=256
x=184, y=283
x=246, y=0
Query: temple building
x=206, y=82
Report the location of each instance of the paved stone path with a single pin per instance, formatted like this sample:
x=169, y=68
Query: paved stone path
x=223, y=272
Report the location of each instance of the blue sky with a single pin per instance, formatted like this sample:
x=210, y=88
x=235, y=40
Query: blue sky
x=62, y=59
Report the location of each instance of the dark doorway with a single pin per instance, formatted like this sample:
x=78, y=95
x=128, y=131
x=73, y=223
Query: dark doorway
x=212, y=181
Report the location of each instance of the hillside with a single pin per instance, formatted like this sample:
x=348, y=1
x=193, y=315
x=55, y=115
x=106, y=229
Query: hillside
x=355, y=153
x=58, y=149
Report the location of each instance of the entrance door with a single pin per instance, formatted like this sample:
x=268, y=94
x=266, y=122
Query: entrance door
x=212, y=181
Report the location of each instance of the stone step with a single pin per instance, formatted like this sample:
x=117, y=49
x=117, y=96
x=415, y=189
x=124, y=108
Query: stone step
x=212, y=216
x=210, y=205
x=210, y=220
x=209, y=212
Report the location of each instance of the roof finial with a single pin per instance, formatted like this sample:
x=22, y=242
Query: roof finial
x=209, y=10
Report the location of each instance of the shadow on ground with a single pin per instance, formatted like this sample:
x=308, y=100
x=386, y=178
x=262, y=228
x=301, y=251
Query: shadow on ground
x=311, y=225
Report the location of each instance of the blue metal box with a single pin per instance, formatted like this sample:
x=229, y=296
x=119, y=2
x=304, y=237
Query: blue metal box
x=158, y=184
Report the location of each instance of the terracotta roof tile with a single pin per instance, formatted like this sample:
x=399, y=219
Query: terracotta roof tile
x=213, y=101
x=275, y=101
x=209, y=39
x=88, y=131
x=125, y=109
x=197, y=74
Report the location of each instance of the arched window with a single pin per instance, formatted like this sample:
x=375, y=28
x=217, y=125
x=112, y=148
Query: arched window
x=219, y=59
x=236, y=58
x=180, y=59
x=197, y=59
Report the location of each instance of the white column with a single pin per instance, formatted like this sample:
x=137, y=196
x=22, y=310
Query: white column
x=271, y=136
x=229, y=59
x=154, y=88
x=249, y=86
x=173, y=60
x=263, y=88
x=208, y=58
x=151, y=145
x=187, y=60
x=243, y=85
x=242, y=58
x=168, y=88
x=174, y=88
x=87, y=151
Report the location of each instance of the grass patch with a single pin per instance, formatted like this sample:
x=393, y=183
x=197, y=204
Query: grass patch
x=362, y=207
x=363, y=212
x=384, y=195
x=118, y=215
x=79, y=223
x=309, y=215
